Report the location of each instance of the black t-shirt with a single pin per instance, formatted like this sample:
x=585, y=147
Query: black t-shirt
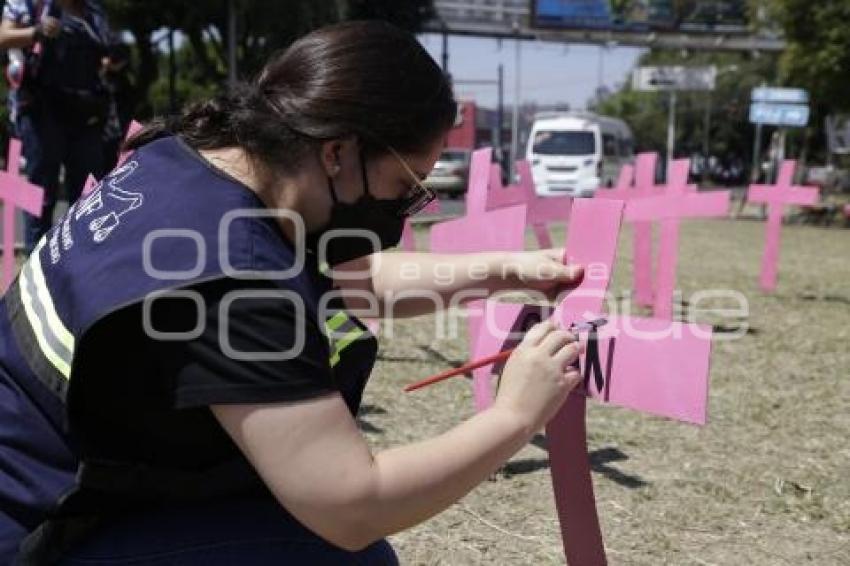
x=145, y=400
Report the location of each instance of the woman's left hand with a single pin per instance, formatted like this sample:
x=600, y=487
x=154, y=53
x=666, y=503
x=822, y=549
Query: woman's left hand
x=541, y=270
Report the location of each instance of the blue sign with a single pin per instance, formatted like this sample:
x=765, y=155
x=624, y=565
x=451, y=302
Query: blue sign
x=576, y=13
x=780, y=95
x=792, y=115
x=684, y=16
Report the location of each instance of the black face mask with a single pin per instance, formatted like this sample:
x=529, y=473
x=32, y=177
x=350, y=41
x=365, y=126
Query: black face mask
x=381, y=217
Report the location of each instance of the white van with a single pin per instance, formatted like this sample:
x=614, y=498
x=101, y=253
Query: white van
x=573, y=153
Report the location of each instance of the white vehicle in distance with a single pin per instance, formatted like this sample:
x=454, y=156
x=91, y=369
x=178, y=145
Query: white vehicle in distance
x=573, y=153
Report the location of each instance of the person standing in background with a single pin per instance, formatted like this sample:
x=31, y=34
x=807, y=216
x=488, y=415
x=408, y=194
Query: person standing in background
x=61, y=103
x=122, y=99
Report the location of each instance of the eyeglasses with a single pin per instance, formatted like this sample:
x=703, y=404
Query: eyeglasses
x=418, y=196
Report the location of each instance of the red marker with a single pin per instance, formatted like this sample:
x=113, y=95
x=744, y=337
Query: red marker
x=495, y=358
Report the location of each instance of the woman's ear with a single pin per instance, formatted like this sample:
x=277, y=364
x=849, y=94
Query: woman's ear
x=330, y=157
x=335, y=152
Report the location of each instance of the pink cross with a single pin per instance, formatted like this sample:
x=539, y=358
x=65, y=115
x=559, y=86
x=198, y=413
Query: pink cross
x=776, y=197
x=632, y=183
x=542, y=211
x=91, y=182
x=500, y=196
x=623, y=189
x=650, y=365
x=91, y=185
x=501, y=230
x=132, y=130
x=15, y=192
x=678, y=201
x=478, y=183
x=642, y=246
x=408, y=242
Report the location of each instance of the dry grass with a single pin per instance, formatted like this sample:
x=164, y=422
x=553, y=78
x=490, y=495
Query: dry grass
x=765, y=483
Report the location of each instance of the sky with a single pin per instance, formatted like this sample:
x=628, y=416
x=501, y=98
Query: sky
x=549, y=72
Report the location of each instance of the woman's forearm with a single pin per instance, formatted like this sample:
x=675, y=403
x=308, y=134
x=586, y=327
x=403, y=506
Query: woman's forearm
x=12, y=37
x=410, y=284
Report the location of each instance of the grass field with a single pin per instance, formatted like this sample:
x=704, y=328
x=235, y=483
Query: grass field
x=767, y=482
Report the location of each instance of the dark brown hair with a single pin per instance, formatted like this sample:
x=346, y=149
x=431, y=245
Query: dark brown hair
x=368, y=79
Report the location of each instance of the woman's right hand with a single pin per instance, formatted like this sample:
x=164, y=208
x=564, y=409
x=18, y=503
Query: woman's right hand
x=538, y=376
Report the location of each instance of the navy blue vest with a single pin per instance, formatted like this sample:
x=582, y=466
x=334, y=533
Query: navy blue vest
x=164, y=220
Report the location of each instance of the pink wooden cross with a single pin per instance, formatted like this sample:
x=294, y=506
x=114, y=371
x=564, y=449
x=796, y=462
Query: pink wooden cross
x=501, y=230
x=500, y=196
x=650, y=365
x=644, y=186
x=15, y=192
x=623, y=189
x=408, y=241
x=91, y=185
x=132, y=130
x=638, y=182
x=678, y=201
x=542, y=211
x=776, y=197
x=478, y=183
x=91, y=182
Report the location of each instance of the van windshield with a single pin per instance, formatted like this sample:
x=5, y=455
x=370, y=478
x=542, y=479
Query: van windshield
x=555, y=142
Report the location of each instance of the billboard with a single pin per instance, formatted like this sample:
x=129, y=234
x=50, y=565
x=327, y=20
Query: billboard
x=687, y=16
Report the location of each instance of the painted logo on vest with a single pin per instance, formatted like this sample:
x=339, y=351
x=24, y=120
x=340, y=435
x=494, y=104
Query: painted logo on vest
x=103, y=209
x=110, y=202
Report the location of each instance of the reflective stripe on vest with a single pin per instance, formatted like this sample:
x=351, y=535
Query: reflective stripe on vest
x=343, y=331
x=54, y=340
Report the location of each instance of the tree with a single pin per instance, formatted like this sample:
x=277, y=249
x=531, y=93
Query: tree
x=264, y=26
x=728, y=106
x=817, y=57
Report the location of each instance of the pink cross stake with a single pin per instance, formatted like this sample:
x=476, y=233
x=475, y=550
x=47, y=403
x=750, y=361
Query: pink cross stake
x=496, y=231
x=633, y=183
x=408, y=242
x=777, y=197
x=678, y=201
x=592, y=242
x=500, y=230
x=623, y=189
x=15, y=192
x=500, y=196
x=134, y=128
x=644, y=186
x=542, y=211
x=90, y=186
x=485, y=192
x=649, y=365
x=478, y=183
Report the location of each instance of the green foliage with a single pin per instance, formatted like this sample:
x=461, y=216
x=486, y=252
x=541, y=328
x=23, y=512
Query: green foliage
x=263, y=27
x=818, y=53
x=730, y=131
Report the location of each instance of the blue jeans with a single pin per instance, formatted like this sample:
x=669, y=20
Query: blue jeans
x=250, y=532
x=49, y=141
